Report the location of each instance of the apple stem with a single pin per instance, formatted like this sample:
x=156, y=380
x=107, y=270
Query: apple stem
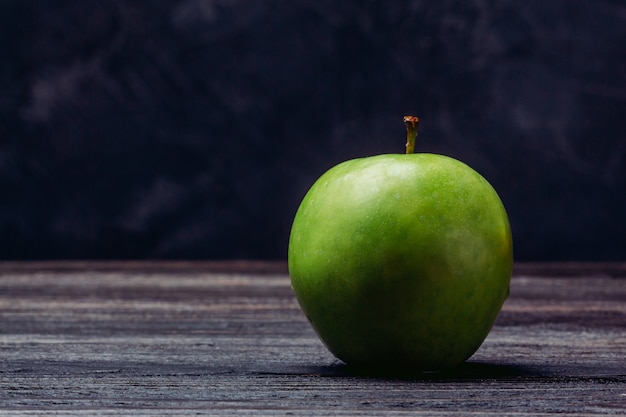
x=412, y=123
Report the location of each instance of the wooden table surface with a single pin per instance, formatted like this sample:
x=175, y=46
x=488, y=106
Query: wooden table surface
x=203, y=338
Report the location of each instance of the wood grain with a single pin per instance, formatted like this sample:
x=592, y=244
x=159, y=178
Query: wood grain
x=189, y=338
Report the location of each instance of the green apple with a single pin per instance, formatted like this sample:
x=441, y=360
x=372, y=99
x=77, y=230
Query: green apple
x=401, y=261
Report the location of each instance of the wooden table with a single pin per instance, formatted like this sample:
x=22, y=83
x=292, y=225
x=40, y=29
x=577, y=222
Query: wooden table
x=208, y=338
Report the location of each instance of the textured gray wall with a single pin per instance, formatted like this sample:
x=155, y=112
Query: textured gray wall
x=192, y=129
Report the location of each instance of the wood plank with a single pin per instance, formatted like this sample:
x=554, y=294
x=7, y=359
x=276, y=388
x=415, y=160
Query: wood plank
x=229, y=339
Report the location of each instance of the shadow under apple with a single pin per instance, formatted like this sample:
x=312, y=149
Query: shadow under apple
x=467, y=371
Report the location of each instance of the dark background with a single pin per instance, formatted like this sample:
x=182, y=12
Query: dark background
x=192, y=129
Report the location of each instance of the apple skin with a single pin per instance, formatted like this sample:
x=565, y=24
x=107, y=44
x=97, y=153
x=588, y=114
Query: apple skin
x=401, y=261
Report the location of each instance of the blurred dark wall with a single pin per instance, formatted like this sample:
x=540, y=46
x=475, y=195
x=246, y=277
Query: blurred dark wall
x=192, y=129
